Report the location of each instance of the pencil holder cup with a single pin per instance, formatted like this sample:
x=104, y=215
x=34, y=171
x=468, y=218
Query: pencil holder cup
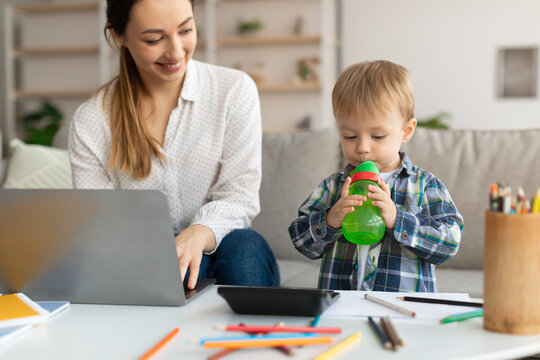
x=512, y=273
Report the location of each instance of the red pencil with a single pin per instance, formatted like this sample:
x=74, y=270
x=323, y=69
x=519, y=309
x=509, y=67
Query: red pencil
x=269, y=329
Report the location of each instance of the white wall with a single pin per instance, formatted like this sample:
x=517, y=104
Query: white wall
x=450, y=48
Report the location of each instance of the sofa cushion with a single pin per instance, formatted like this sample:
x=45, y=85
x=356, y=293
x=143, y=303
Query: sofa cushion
x=36, y=166
x=461, y=281
x=294, y=273
x=293, y=165
x=468, y=161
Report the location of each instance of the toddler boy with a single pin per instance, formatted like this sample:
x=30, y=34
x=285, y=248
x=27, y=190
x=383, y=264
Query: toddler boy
x=373, y=104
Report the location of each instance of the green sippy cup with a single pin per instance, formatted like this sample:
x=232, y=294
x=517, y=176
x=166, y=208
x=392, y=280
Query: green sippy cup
x=365, y=225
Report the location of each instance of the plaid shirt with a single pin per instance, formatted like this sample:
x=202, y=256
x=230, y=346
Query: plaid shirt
x=427, y=232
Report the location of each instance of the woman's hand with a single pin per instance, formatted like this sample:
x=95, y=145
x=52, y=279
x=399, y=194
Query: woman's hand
x=190, y=245
x=345, y=205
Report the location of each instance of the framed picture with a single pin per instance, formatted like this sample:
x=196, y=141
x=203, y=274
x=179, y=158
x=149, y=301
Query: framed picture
x=517, y=72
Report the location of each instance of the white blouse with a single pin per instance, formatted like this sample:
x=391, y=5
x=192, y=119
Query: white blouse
x=212, y=145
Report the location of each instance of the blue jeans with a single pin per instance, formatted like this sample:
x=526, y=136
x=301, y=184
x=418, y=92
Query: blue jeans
x=242, y=258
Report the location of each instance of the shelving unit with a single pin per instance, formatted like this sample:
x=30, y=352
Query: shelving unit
x=52, y=51
x=66, y=67
x=284, y=102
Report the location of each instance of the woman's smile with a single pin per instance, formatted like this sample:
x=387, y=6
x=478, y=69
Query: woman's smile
x=171, y=67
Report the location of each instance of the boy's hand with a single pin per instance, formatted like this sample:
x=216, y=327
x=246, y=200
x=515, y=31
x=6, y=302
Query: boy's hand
x=345, y=205
x=381, y=198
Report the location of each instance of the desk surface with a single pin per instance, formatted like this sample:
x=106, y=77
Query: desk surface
x=127, y=332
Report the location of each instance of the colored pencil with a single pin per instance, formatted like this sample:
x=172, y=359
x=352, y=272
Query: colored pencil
x=391, y=325
x=390, y=305
x=379, y=333
x=160, y=344
x=462, y=316
x=390, y=334
x=293, y=329
x=255, y=337
x=315, y=321
x=283, y=349
x=240, y=344
x=221, y=354
x=336, y=349
x=440, y=301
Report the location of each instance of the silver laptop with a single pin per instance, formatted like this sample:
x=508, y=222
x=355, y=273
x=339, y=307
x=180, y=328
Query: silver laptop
x=90, y=246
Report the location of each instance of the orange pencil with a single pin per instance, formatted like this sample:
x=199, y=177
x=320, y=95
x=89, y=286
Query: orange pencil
x=240, y=344
x=160, y=344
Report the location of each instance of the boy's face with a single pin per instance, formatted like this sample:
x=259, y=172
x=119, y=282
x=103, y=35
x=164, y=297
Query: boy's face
x=376, y=137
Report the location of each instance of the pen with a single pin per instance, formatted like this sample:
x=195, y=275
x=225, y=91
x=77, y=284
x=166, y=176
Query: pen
x=266, y=329
x=238, y=344
x=334, y=350
x=440, y=301
x=379, y=333
x=462, y=316
x=160, y=344
x=390, y=305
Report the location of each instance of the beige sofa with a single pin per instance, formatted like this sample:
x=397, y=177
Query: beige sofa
x=467, y=161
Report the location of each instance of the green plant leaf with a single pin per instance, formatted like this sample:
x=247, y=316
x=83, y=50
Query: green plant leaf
x=436, y=121
x=41, y=126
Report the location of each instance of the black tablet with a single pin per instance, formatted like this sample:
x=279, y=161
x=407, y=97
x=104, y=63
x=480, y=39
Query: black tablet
x=277, y=300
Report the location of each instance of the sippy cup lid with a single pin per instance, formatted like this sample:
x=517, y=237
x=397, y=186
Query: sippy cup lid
x=366, y=171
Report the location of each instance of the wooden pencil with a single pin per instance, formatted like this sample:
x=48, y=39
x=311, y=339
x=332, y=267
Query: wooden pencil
x=440, y=301
x=379, y=333
x=390, y=323
x=390, y=334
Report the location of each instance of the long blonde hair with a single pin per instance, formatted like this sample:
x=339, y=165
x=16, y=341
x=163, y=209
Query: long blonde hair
x=132, y=146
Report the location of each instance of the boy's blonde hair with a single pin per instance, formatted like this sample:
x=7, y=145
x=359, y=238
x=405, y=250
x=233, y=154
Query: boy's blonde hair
x=369, y=87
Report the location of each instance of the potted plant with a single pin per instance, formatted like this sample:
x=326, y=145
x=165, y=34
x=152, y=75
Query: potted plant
x=41, y=126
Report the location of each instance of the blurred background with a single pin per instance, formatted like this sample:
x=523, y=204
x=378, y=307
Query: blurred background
x=473, y=63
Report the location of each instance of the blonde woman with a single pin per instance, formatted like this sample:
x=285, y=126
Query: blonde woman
x=189, y=129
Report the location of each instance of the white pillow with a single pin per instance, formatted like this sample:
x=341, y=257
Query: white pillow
x=38, y=167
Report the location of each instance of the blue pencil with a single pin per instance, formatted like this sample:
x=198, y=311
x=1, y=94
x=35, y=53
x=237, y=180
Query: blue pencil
x=252, y=337
x=315, y=321
x=380, y=334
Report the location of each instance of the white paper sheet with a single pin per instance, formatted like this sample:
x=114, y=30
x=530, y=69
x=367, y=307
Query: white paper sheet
x=352, y=304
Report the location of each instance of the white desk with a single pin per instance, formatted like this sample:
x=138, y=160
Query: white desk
x=127, y=332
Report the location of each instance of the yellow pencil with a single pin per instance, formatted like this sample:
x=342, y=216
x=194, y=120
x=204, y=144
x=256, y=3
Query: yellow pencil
x=536, y=202
x=334, y=350
x=239, y=344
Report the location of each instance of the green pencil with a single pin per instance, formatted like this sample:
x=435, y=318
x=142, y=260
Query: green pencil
x=463, y=316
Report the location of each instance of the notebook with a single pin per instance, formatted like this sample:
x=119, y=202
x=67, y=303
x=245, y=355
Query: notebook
x=17, y=309
x=51, y=307
x=90, y=246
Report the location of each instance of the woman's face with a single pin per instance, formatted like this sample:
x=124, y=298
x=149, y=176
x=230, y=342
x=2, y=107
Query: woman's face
x=161, y=38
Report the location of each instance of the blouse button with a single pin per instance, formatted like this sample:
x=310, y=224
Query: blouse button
x=318, y=231
x=405, y=236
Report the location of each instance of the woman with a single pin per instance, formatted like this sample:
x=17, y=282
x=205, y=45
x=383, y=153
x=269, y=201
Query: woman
x=189, y=129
